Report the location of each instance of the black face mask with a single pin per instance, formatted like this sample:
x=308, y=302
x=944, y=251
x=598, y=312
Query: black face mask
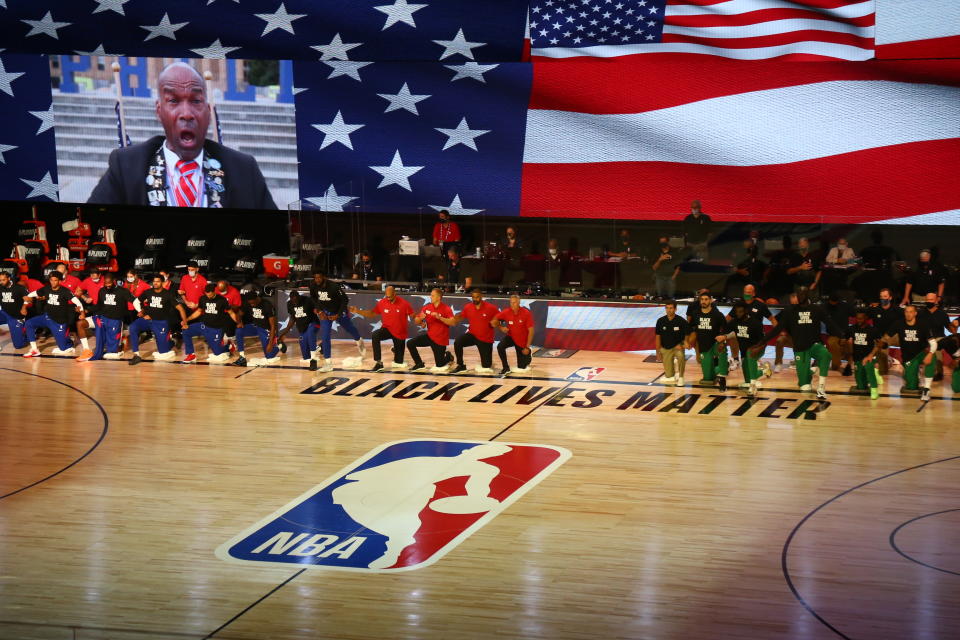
x=931, y=305
x=664, y=245
x=885, y=303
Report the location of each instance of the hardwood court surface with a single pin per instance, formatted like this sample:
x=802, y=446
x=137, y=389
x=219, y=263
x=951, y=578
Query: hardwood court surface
x=684, y=517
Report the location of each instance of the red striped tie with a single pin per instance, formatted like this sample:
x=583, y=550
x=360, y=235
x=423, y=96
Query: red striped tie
x=184, y=190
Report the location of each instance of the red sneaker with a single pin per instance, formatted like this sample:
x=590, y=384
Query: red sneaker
x=190, y=358
x=33, y=353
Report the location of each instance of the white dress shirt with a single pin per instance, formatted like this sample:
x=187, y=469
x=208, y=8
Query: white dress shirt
x=173, y=177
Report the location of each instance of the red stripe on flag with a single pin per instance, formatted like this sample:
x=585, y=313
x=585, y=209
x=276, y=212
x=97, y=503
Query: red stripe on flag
x=601, y=339
x=865, y=186
x=632, y=84
x=775, y=40
x=946, y=47
x=760, y=16
x=818, y=4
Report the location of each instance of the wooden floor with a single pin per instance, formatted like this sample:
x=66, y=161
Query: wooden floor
x=689, y=516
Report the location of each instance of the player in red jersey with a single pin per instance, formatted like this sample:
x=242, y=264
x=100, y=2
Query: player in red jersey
x=438, y=318
x=395, y=314
x=480, y=314
x=517, y=323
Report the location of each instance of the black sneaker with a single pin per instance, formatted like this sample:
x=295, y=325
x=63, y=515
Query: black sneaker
x=239, y=362
x=504, y=371
x=449, y=359
x=377, y=366
x=313, y=365
x=135, y=360
x=283, y=347
x=417, y=366
x=848, y=370
x=721, y=383
x=459, y=368
x=925, y=395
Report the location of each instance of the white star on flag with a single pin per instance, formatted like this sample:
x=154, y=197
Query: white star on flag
x=3, y=149
x=459, y=44
x=6, y=79
x=345, y=68
x=396, y=173
x=463, y=134
x=337, y=131
x=403, y=99
x=43, y=187
x=375, y=326
x=336, y=50
x=46, y=119
x=455, y=208
x=163, y=30
x=110, y=5
x=330, y=201
x=399, y=11
x=472, y=70
x=99, y=51
x=3, y=3
x=279, y=20
x=46, y=26
x=215, y=51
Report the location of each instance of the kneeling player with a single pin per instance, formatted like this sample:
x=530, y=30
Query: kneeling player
x=438, y=318
x=215, y=314
x=707, y=326
x=11, y=309
x=110, y=310
x=747, y=329
x=302, y=316
x=479, y=314
x=59, y=310
x=395, y=314
x=916, y=351
x=517, y=323
x=155, y=307
x=864, y=344
x=260, y=320
x=331, y=302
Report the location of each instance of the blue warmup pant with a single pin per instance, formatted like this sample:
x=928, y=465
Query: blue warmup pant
x=18, y=329
x=326, y=327
x=107, y=332
x=159, y=328
x=250, y=330
x=59, y=331
x=212, y=335
x=308, y=341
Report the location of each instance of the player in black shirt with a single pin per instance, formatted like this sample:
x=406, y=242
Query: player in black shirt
x=302, y=316
x=260, y=320
x=747, y=329
x=755, y=307
x=59, y=313
x=802, y=322
x=155, y=307
x=707, y=329
x=840, y=311
x=331, y=302
x=671, y=338
x=863, y=341
x=884, y=315
x=215, y=314
x=939, y=324
x=916, y=349
x=110, y=308
x=11, y=309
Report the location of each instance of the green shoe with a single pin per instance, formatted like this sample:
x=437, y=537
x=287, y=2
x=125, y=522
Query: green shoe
x=874, y=393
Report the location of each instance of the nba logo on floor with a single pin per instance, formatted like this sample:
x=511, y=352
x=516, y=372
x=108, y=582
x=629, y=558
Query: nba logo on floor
x=402, y=506
x=585, y=373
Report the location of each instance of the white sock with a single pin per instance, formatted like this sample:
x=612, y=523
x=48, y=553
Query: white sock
x=83, y=341
x=924, y=382
x=241, y=354
x=136, y=353
x=33, y=345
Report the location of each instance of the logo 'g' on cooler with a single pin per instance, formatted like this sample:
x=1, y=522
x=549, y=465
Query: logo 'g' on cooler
x=402, y=506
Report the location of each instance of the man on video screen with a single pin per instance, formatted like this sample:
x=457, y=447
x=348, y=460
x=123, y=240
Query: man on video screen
x=182, y=168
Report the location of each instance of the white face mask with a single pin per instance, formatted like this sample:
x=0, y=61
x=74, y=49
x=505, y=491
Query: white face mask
x=192, y=272
x=842, y=247
x=553, y=252
x=95, y=277
x=131, y=278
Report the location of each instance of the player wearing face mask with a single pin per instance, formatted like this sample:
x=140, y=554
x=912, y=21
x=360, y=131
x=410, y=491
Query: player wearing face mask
x=939, y=324
x=884, y=315
x=192, y=285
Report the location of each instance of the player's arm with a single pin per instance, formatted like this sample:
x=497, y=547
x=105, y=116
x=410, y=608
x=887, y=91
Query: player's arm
x=526, y=351
x=193, y=316
x=235, y=316
x=907, y=289
x=183, y=314
x=449, y=321
x=658, y=344
x=366, y=313
x=873, y=353
x=138, y=307
x=273, y=329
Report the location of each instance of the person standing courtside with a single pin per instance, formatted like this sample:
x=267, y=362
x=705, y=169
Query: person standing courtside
x=479, y=314
x=671, y=336
x=666, y=267
x=331, y=304
x=446, y=234
x=517, y=323
x=437, y=316
x=395, y=314
x=707, y=329
x=697, y=231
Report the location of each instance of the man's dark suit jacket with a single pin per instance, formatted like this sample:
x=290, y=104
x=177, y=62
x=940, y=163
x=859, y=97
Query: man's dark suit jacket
x=125, y=179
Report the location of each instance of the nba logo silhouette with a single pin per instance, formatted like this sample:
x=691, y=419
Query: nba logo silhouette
x=402, y=506
x=586, y=373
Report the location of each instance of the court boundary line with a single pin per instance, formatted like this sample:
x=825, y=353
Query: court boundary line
x=784, y=568
x=103, y=431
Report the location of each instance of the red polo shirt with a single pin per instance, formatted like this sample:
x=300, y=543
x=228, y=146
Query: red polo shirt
x=136, y=289
x=395, y=316
x=91, y=288
x=71, y=282
x=192, y=288
x=437, y=330
x=518, y=324
x=232, y=294
x=479, y=319
x=448, y=233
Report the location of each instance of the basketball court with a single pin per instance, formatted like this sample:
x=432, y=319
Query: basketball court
x=133, y=498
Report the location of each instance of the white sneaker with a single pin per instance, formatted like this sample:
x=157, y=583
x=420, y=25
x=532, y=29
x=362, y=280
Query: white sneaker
x=114, y=356
x=165, y=356
x=524, y=370
x=442, y=369
x=752, y=388
x=255, y=362
x=669, y=380
x=305, y=362
x=757, y=383
x=777, y=368
x=744, y=385
x=734, y=365
x=352, y=363
x=32, y=353
x=275, y=360
x=806, y=387
x=327, y=365
x=399, y=365
x=480, y=369
x=679, y=381
x=63, y=352
x=362, y=348
x=220, y=359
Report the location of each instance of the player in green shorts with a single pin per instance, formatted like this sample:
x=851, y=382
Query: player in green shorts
x=864, y=343
x=916, y=351
x=707, y=329
x=747, y=329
